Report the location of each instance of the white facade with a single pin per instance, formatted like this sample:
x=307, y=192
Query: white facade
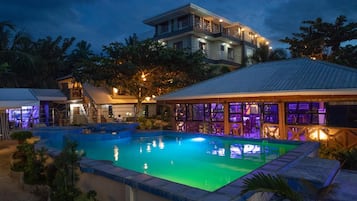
x=194, y=28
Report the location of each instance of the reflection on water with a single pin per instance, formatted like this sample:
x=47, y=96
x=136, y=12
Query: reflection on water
x=239, y=150
x=116, y=153
x=199, y=161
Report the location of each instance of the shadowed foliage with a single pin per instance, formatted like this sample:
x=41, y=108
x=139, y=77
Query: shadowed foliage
x=268, y=183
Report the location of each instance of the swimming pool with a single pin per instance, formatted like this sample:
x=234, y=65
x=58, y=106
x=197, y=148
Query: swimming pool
x=200, y=161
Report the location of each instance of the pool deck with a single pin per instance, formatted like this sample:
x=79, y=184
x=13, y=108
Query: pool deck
x=10, y=190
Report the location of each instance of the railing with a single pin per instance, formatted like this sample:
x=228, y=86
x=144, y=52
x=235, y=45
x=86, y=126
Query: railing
x=330, y=136
x=271, y=131
x=76, y=93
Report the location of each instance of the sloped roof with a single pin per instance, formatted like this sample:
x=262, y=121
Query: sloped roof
x=279, y=78
x=101, y=96
x=49, y=94
x=17, y=97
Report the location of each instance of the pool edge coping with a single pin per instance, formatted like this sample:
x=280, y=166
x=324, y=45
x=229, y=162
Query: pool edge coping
x=175, y=191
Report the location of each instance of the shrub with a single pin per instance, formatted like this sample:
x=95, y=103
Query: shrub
x=31, y=162
x=21, y=136
x=63, y=176
x=347, y=157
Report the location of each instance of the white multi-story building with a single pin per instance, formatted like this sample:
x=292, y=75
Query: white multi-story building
x=194, y=28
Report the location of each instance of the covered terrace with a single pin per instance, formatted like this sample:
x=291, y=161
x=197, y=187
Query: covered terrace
x=22, y=108
x=296, y=99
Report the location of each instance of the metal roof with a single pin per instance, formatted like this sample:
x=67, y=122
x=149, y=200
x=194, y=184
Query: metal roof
x=49, y=94
x=17, y=97
x=101, y=96
x=14, y=94
x=279, y=78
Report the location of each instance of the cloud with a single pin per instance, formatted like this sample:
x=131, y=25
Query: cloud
x=100, y=22
x=286, y=18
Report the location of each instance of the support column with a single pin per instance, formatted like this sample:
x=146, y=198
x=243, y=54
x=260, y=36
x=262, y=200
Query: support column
x=226, y=118
x=99, y=114
x=282, y=128
x=173, y=116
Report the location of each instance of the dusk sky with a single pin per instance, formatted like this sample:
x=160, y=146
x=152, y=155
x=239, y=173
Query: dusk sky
x=100, y=22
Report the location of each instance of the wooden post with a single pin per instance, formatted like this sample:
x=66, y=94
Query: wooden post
x=226, y=118
x=173, y=116
x=99, y=114
x=282, y=129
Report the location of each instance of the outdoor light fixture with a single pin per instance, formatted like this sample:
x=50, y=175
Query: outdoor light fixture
x=143, y=76
x=220, y=20
x=319, y=134
x=115, y=90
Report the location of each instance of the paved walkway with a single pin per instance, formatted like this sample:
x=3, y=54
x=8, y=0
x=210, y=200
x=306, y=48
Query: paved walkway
x=10, y=189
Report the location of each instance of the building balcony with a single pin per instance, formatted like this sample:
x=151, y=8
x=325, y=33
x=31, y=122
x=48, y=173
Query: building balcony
x=225, y=35
x=73, y=93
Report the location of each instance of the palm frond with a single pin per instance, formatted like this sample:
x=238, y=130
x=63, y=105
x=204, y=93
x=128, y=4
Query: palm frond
x=261, y=182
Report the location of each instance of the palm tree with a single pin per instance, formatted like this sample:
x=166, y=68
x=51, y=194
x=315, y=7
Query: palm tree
x=50, y=60
x=277, y=185
x=267, y=183
x=14, y=55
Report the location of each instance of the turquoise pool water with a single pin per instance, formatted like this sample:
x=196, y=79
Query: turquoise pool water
x=200, y=161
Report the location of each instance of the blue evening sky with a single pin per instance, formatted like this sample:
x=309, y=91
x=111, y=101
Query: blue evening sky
x=100, y=22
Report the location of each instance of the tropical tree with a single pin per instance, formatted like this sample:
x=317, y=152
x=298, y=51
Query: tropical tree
x=146, y=68
x=269, y=183
x=346, y=56
x=261, y=54
x=49, y=59
x=25, y=63
x=279, y=187
x=80, y=55
x=6, y=28
x=13, y=53
x=278, y=54
x=323, y=40
x=264, y=54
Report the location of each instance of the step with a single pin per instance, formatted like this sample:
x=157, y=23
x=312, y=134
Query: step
x=310, y=174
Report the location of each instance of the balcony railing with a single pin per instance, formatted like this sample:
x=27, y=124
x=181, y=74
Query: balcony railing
x=75, y=93
x=233, y=36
